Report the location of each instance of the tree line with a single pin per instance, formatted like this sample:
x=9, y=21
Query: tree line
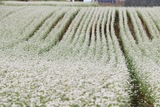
x=142, y=2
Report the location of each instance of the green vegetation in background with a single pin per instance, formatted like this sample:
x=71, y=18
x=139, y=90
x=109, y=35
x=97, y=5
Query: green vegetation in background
x=142, y=2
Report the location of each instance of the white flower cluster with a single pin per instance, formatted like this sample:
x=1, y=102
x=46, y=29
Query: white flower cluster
x=20, y=25
x=71, y=56
x=75, y=72
x=143, y=57
x=62, y=83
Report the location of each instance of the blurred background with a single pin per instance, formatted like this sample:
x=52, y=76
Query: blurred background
x=113, y=2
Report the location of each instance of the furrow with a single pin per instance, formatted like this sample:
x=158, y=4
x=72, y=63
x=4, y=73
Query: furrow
x=68, y=25
x=98, y=53
x=64, y=46
x=47, y=26
x=128, y=32
x=155, y=21
x=115, y=32
x=78, y=32
x=37, y=27
x=57, y=20
x=87, y=40
x=138, y=27
x=21, y=33
x=131, y=27
x=72, y=29
x=104, y=41
x=145, y=26
x=112, y=57
x=92, y=47
x=140, y=97
x=82, y=33
x=68, y=44
x=54, y=38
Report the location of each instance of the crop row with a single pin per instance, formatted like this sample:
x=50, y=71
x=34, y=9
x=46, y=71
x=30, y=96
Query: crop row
x=73, y=56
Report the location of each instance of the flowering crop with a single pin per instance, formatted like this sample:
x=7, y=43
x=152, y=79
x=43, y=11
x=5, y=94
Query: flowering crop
x=58, y=56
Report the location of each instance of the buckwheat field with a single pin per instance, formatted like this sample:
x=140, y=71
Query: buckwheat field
x=79, y=55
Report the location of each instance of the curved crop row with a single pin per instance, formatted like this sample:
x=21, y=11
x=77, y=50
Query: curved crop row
x=73, y=56
x=143, y=70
